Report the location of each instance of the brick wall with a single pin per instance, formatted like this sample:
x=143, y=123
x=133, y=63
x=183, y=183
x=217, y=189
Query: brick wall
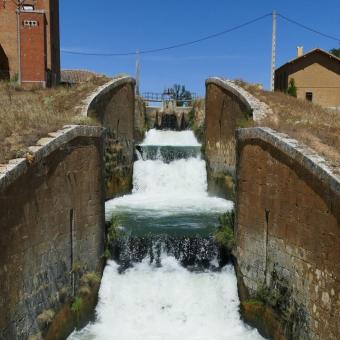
x=33, y=48
x=9, y=37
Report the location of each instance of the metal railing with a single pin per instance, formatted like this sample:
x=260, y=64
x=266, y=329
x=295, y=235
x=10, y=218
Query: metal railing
x=161, y=97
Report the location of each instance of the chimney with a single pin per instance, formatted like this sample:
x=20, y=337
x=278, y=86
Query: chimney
x=300, y=51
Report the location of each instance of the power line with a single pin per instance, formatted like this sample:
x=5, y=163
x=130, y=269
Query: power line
x=192, y=42
x=308, y=28
x=208, y=37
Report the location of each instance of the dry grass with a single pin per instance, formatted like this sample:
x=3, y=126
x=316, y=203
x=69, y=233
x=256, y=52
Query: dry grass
x=78, y=76
x=26, y=116
x=309, y=123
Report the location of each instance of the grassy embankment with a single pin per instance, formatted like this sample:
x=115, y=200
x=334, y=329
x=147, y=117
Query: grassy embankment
x=28, y=115
x=306, y=122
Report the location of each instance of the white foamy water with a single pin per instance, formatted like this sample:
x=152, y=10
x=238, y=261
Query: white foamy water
x=176, y=138
x=166, y=188
x=167, y=303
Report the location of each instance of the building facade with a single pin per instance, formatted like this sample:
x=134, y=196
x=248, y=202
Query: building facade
x=316, y=75
x=30, y=42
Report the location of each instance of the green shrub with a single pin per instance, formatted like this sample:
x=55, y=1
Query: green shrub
x=107, y=253
x=199, y=132
x=77, y=305
x=224, y=234
x=292, y=88
x=90, y=278
x=267, y=296
x=191, y=117
x=113, y=231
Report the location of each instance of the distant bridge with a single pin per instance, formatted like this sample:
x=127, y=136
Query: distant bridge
x=161, y=97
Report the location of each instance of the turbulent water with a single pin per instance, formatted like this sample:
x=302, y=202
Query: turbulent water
x=168, y=196
x=173, y=286
x=167, y=303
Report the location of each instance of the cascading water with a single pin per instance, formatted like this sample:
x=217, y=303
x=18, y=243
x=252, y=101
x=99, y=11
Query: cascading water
x=167, y=281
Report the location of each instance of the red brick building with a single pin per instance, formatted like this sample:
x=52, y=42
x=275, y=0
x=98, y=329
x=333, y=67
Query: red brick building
x=29, y=41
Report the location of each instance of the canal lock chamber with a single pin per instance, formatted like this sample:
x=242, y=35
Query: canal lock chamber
x=166, y=277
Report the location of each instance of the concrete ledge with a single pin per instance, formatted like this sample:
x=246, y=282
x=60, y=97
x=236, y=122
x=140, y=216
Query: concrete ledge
x=104, y=89
x=10, y=172
x=300, y=153
x=260, y=109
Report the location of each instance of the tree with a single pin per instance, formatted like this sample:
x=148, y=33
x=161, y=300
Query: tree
x=335, y=51
x=179, y=93
x=292, y=88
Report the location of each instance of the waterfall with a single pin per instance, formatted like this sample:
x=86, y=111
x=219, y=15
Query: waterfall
x=163, y=187
x=167, y=280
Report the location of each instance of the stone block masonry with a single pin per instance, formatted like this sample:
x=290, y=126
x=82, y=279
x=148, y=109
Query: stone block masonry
x=113, y=105
x=52, y=225
x=227, y=107
x=288, y=233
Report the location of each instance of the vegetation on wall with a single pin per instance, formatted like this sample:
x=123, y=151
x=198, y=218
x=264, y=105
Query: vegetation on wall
x=224, y=234
x=113, y=232
x=247, y=119
x=292, y=88
x=196, y=119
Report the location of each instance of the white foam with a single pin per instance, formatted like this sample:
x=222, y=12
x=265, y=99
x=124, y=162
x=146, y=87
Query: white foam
x=162, y=189
x=176, y=138
x=167, y=303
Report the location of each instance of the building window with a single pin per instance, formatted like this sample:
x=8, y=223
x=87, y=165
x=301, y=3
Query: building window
x=309, y=96
x=31, y=23
x=28, y=7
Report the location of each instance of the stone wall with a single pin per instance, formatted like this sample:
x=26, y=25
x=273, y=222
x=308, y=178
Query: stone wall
x=113, y=105
x=52, y=227
x=227, y=107
x=288, y=236
x=140, y=120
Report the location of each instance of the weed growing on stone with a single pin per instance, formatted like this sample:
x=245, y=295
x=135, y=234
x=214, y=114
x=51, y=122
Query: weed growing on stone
x=77, y=306
x=113, y=232
x=90, y=278
x=224, y=235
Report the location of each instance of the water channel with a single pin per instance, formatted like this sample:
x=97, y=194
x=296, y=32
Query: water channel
x=167, y=280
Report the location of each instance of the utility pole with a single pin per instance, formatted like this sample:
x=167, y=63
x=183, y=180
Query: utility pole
x=137, y=72
x=273, y=59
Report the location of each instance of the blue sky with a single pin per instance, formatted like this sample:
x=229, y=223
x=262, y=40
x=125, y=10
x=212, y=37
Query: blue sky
x=120, y=26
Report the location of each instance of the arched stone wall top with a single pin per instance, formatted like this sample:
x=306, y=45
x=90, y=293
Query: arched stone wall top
x=298, y=152
x=11, y=171
x=103, y=90
x=260, y=109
